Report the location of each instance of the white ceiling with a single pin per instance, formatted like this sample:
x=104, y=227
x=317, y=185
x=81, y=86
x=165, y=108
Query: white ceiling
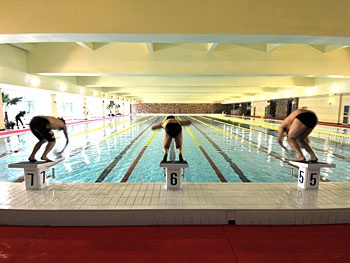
x=186, y=68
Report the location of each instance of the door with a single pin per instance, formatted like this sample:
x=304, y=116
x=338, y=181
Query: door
x=346, y=114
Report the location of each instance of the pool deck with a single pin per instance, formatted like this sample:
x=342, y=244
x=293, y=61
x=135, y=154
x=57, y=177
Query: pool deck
x=112, y=204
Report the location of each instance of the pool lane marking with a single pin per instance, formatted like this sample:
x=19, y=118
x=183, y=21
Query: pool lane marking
x=111, y=166
x=133, y=165
x=266, y=151
x=77, y=151
x=75, y=134
x=244, y=140
x=72, y=153
x=100, y=128
x=234, y=166
x=124, y=130
x=21, y=179
x=115, y=161
x=275, y=126
x=212, y=164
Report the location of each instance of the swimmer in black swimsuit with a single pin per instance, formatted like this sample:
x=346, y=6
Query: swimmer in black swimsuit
x=173, y=130
x=18, y=118
x=41, y=127
x=297, y=126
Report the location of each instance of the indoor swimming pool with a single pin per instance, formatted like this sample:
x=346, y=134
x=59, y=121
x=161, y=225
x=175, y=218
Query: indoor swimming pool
x=125, y=149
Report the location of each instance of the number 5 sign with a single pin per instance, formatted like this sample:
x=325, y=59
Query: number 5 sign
x=308, y=179
x=309, y=174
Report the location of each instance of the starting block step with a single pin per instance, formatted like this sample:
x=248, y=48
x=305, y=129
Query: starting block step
x=38, y=164
x=34, y=173
x=174, y=171
x=309, y=173
x=174, y=164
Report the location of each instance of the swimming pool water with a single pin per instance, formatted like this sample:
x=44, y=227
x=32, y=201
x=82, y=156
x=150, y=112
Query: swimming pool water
x=105, y=151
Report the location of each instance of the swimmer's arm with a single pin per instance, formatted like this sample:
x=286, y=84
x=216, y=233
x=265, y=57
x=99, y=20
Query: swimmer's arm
x=157, y=126
x=67, y=140
x=185, y=123
x=66, y=135
x=280, y=136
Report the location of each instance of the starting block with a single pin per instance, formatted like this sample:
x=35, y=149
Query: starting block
x=309, y=173
x=174, y=171
x=34, y=173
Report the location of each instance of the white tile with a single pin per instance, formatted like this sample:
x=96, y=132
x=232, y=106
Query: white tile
x=248, y=203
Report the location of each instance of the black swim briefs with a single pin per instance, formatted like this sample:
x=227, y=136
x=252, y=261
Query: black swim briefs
x=173, y=129
x=41, y=128
x=309, y=119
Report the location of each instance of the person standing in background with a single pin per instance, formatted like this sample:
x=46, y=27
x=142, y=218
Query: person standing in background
x=18, y=118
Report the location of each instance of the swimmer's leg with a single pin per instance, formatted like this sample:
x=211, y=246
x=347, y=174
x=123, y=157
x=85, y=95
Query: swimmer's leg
x=165, y=157
x=178, y=142
x=165, y=151
x=35, y=150
x=48, y=148
x=181, y=158
x=166, y=146
x=179, y=150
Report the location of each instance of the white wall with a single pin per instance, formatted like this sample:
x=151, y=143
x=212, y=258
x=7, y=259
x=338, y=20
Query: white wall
x=325, y=107
x=259, y=107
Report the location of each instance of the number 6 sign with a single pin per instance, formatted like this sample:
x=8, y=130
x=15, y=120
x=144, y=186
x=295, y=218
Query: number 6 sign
x=174, y=172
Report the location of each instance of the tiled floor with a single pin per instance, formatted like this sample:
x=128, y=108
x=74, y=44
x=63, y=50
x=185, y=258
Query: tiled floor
x=197, y=203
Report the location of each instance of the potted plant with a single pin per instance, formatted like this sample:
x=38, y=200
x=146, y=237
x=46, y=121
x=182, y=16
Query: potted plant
x=9, y=124
x=110, y=107
x=7, y=101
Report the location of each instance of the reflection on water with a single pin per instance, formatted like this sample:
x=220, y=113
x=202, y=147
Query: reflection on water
x=94, y=146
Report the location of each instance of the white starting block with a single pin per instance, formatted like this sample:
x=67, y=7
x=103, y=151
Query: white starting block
x=309, y=173
x=34, y=173
x=174, y=171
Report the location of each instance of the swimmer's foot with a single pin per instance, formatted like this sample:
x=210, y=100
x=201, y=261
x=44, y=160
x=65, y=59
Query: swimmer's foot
x=46, y=159
x=165, y=158
x=181, y=158
x=313, y=161
x=299, y=160
x=32, y=160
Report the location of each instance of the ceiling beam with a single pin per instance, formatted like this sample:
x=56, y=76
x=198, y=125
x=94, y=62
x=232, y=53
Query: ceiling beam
x=262, y=47
x=87, y=45
x=272, y=47
x=150, y=47
x=328, y=48
x=211, y=47
x=24, y=46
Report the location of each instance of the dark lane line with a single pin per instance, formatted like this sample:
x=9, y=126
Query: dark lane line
x=216, y=169
x=253, y=144
x=235, y=168
x=212, y=164
x=132, y=167
x=110, y=167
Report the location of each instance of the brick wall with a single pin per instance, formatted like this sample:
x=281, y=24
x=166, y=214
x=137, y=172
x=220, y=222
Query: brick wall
x=179, y=108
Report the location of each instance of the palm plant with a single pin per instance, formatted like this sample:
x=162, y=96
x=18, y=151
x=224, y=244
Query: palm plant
x=7, y=101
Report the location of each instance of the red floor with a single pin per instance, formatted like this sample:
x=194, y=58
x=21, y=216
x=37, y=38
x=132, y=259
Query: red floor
x=326, y=243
